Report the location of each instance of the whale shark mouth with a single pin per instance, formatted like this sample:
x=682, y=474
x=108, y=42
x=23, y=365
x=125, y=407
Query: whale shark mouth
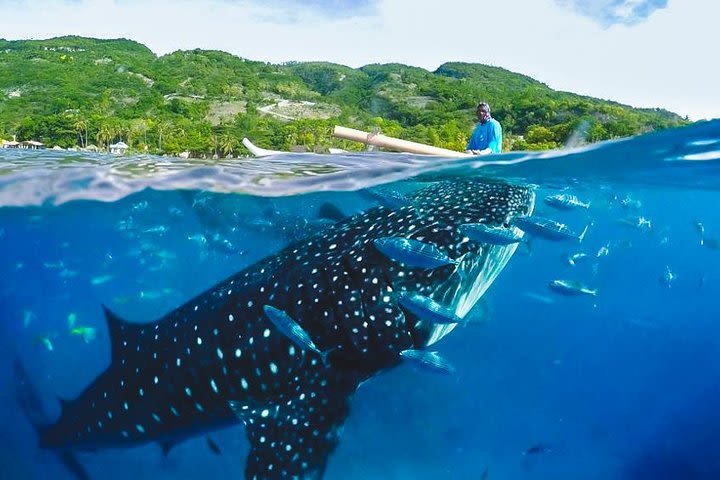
x=472, y=278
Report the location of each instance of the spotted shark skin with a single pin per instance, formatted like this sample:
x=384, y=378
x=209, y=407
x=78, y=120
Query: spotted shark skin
x=178, y=376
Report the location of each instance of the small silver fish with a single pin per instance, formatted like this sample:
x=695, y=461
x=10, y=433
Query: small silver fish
x=292, y=330
x=155, y=294
x=100, y=279
x=54, y=265
x=198, y=238
x=479, y=232
x=668, y=277
x=67, y=273
x=701, y=231
x=175, y=212
x=641, y=223
x=222, y=244
x=549, y=229
x=412, y=253
x=161, y=229
x=45, y=341
x=628, y=202
x=425, y=308
x=430, y=360
x=565, y=201
x=140, y=206
x=571, y=288
x=28, y=317
x=573, y=259
x=126, y=224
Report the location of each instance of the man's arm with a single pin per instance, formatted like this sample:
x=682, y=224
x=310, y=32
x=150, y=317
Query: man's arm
x=472, y=143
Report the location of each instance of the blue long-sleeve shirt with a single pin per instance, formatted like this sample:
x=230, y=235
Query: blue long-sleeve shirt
x=486, y=135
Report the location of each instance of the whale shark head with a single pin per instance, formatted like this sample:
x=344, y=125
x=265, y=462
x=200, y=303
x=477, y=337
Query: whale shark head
x=442, y=209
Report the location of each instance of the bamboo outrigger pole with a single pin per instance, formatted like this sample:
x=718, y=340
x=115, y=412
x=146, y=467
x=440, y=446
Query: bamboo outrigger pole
x=396, y=144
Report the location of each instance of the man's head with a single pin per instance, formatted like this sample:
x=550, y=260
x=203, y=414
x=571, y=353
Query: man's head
x=483, y=112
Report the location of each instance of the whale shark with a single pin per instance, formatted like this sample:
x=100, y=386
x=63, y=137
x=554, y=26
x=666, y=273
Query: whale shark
x=218, y=360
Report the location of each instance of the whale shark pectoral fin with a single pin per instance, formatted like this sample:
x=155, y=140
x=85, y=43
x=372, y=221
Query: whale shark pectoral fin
x=294, y=438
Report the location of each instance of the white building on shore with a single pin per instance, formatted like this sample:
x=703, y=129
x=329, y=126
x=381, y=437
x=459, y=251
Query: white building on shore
x=27, y=144
x=9, y=144
x=118, y=148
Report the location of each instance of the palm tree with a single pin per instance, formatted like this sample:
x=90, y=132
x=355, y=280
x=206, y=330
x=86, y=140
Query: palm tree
x=81, y=125
x=137, y=129
x=161, y=128
x=118, y=129
x=214, y=140
x=228, y=143
x=104, y=134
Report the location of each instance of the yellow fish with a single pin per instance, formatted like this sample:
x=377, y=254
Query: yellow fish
x=88, y=334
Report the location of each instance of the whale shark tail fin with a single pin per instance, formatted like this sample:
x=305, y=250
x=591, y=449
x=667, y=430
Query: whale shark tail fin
x=32, y=406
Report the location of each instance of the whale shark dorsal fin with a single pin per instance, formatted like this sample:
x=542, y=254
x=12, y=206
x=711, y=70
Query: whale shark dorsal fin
x=331, y=211
x=119, y=330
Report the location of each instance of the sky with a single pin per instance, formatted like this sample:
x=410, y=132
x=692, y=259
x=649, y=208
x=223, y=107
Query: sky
x=644, y=53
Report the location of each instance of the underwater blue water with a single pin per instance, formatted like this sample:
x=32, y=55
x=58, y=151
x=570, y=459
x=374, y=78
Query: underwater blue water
x=622, y=385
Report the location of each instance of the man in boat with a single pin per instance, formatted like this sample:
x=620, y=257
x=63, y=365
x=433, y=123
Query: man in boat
x=487, y=136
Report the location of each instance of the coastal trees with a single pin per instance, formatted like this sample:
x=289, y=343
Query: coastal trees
x=107, y=90
x=538, y=138
x=50, y=129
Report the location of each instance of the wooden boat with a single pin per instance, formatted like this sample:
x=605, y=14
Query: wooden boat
x=257, y=151
x=263, y=152
x=367, y=138
x=396, y=144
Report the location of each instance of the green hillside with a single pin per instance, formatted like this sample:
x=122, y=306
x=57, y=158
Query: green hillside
x=78, y=91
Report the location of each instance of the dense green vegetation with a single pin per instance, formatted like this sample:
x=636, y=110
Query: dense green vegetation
x=78, y=91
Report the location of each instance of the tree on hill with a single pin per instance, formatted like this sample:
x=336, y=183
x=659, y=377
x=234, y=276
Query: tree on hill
x=67, y=90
